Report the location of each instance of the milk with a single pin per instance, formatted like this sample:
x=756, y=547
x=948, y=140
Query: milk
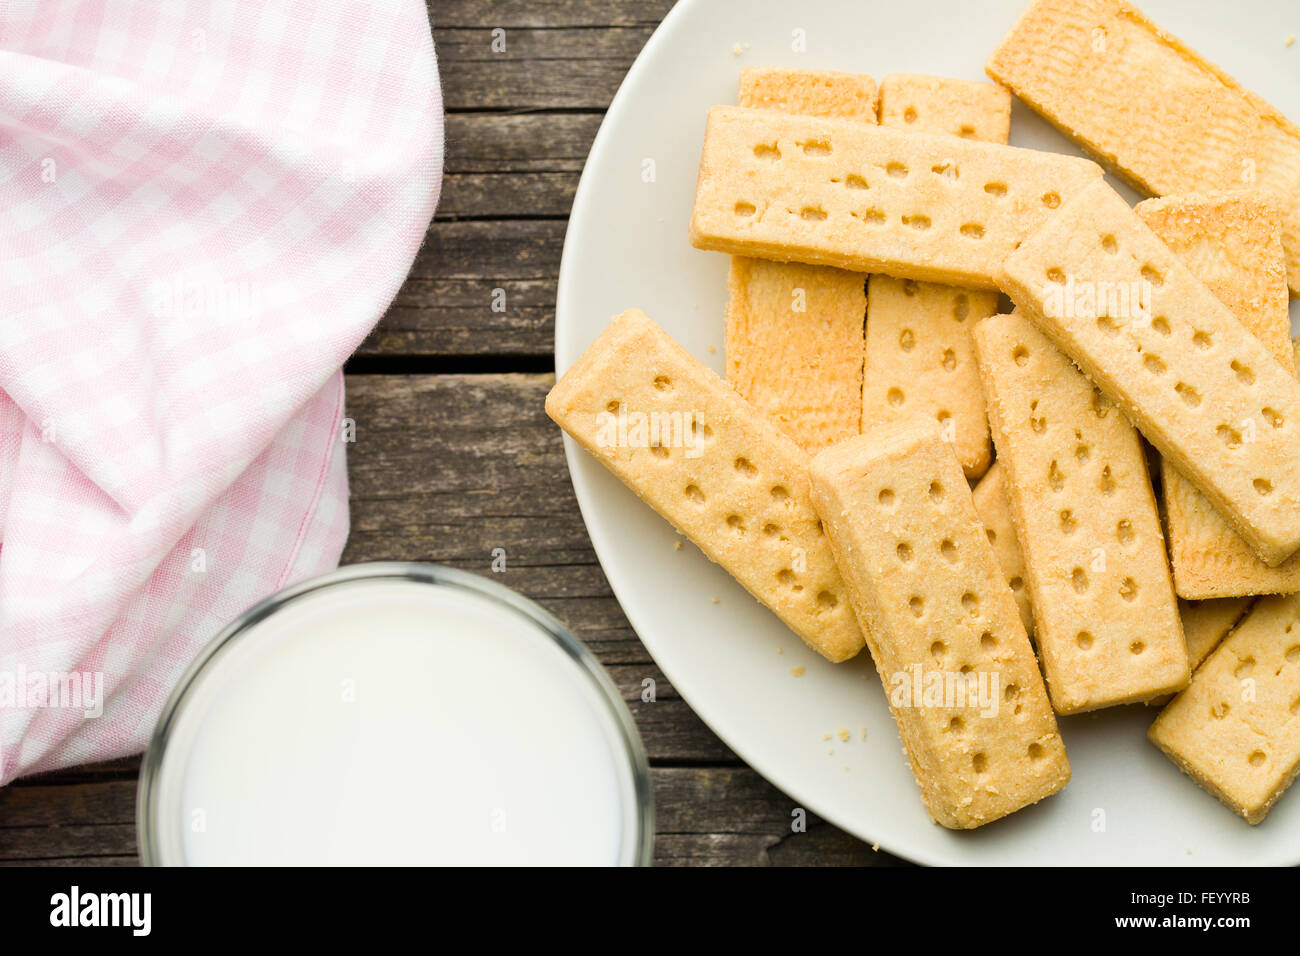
x=392, y=721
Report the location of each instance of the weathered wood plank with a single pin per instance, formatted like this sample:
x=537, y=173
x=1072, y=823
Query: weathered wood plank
x=724, y=816
x=449, y=317
x=64, y=841
x=449, y=468
x=519, y=142
x=503, y=195
x=86, y=861
x=822, y=845
x=505, y=251
x=50, y=803
x=547, y=13
x=554, y=68
x=124, y=768
x=513, y=165
x=450, y=303
x=509, y=165
x=477, y=288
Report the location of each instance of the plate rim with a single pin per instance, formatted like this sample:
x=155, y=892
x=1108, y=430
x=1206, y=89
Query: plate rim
x=896, y=842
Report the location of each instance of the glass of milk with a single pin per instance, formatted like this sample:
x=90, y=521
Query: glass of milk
x=399, y=714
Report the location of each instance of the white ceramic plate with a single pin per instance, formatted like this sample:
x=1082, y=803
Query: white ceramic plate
x=627, y=247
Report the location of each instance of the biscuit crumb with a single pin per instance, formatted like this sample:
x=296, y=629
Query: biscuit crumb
x=864, y=733
x=875, y=847
x=826, y=736
x=1289, y=40
x=797, y=671
x=739, y=49
x=715, y=600
x=830, y=750
x=677, y=546
x=780, y=650
x=712, y=350
x=843, y=735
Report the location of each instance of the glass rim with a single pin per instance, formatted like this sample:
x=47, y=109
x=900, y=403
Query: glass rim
x=640, y=852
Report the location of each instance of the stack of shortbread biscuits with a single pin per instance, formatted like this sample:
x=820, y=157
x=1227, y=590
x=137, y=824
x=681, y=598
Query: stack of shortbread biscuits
x=1141, y=518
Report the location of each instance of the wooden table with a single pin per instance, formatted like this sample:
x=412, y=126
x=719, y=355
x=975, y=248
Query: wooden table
x=454, y=455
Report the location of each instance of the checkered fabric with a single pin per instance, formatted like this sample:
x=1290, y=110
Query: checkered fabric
x=204, y=207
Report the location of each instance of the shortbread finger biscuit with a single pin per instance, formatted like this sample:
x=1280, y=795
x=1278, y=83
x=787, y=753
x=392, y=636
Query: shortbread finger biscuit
x=794, y=332
x=834, y=192
x=794, y=346
x=1203, y=390
x=1105, y=617
x=926, y=586
x=1206, y=623
x=681, y=438
x=1145, y=105
x=1232, y=242
x=938, y=104
x=920, y=362
x=994, y=508
x=1234, y=729
x=809, y=92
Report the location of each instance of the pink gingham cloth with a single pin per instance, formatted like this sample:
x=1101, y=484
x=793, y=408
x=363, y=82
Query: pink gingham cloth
x=204, y=208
